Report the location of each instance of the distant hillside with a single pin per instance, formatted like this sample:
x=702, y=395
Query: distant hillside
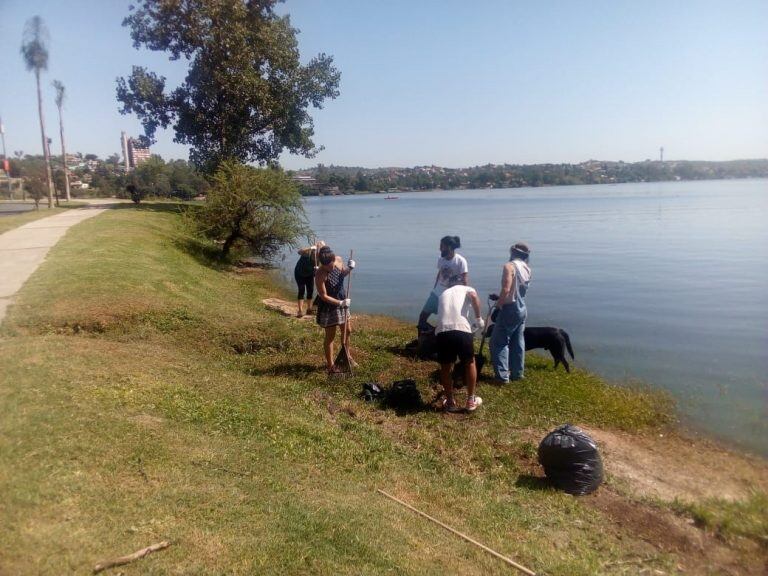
x=343, y=179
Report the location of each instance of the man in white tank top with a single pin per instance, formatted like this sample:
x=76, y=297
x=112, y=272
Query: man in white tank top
x=453, y=335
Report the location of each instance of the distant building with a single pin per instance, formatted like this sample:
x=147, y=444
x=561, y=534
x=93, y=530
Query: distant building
x=133, y=154
x=136, y=154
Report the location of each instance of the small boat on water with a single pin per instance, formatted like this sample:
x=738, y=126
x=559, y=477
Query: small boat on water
x=392, y=198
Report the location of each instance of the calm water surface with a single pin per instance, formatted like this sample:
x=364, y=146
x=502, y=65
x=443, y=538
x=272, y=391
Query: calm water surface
x=664, y=283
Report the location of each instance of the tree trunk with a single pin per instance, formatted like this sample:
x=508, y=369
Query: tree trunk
x=46, y=153
x=64, y=157
x=228, y=243
x=236, y=231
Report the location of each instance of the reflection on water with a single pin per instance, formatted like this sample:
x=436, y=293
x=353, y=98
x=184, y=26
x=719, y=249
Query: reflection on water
x=662, y=282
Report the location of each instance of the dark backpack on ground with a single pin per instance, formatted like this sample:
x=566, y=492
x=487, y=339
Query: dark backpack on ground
x=404, y=395
x=571, y=460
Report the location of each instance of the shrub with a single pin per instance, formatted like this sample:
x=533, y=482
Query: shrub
x=255, y=208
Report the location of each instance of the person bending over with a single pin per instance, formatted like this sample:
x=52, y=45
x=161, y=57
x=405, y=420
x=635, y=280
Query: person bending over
x=304, y=274
x=507, y=340
x=452, y=269
x=454, y=339
x=333, y=305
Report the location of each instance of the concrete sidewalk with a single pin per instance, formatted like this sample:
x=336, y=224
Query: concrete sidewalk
x=23, y=249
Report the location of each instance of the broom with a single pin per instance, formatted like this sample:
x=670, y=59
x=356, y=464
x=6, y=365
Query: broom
x=343, y=362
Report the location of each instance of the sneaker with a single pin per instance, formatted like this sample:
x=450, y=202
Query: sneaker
x=473, y=402
x=447, y=406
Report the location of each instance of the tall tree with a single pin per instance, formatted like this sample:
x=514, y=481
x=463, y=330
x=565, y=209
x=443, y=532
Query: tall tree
x=34, y=49
x=59, y=87
x=246, y=94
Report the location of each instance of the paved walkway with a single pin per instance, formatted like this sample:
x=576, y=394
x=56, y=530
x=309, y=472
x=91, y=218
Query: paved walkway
x=23, y=249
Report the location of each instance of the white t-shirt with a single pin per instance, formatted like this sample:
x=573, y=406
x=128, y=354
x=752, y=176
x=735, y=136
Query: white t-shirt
x=450, y=271
x=453, y=309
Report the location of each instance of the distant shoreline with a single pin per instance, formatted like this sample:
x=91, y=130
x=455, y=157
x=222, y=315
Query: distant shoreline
x=398, y=191
x=335, y=180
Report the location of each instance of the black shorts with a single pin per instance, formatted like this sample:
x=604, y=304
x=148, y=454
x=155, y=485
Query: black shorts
x=454, y=343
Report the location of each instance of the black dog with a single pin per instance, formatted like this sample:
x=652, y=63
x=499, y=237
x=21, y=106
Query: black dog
x=554, y=340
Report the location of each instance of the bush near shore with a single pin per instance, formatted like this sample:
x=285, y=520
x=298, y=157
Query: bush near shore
x=147, y=394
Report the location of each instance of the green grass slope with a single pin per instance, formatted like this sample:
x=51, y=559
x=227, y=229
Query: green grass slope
x=147, y=394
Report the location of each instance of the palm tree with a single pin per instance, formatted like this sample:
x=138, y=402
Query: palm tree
x=34, y=49
x=59, y=103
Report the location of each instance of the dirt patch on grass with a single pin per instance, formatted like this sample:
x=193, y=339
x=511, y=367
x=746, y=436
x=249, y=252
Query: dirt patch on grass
x=670, y=467
x=148, y=421
x=698, y=551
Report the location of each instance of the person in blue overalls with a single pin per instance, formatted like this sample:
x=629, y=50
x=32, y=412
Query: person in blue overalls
x=507, y=340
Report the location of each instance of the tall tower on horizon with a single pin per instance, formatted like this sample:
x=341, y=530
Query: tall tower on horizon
x=661, y=154
x=124, y=146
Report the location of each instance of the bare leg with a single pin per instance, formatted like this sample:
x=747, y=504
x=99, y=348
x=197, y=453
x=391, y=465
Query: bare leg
x=310, y=310
x=330, y=334
x=447, y=381
x=470, y=377
x=300, y=312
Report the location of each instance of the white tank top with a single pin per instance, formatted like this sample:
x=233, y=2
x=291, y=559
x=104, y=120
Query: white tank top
x=453, y=309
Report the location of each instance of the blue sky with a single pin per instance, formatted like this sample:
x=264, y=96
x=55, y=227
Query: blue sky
x=451, y=83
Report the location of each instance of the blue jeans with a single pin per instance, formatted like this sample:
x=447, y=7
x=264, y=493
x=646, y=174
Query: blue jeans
x=507, y=343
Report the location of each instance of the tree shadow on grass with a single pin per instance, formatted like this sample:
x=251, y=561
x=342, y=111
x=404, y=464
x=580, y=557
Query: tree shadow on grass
x=530, y=482
x=298, y=370
x=164, y=207
x=204, y=252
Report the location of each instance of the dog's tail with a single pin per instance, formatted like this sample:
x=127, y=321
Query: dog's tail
x=568, y=343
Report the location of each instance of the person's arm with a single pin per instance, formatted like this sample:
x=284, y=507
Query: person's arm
x=507, y=282
x=320, y=279
x=345, y=270
x=306, y=251
x=464, y=271
x=475, y=301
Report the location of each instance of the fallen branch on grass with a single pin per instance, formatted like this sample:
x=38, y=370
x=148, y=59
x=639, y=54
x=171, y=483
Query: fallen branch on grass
x=131, y=557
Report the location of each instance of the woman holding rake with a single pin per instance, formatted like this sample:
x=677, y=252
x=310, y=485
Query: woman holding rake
x=333, y=304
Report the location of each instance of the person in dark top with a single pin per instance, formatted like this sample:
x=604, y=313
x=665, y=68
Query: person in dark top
x=304, y=273
x=332, y=302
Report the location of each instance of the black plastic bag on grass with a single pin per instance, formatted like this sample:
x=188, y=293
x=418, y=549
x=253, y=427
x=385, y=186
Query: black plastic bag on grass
x=571, y=460
x=404, y=395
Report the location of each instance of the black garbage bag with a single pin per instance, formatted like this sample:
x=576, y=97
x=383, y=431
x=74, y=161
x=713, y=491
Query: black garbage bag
x=404, y=395
x=571, y=460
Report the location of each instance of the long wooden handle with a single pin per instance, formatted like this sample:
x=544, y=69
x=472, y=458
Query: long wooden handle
x=485, y=328
x=509, y=561
x=345, y=331
x=349, y=280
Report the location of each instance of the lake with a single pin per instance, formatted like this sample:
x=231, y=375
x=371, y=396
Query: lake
x=664, y=283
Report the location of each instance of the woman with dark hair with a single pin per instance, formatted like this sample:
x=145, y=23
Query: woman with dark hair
x=304, y=274
x=452, y=269
x=333, y=304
